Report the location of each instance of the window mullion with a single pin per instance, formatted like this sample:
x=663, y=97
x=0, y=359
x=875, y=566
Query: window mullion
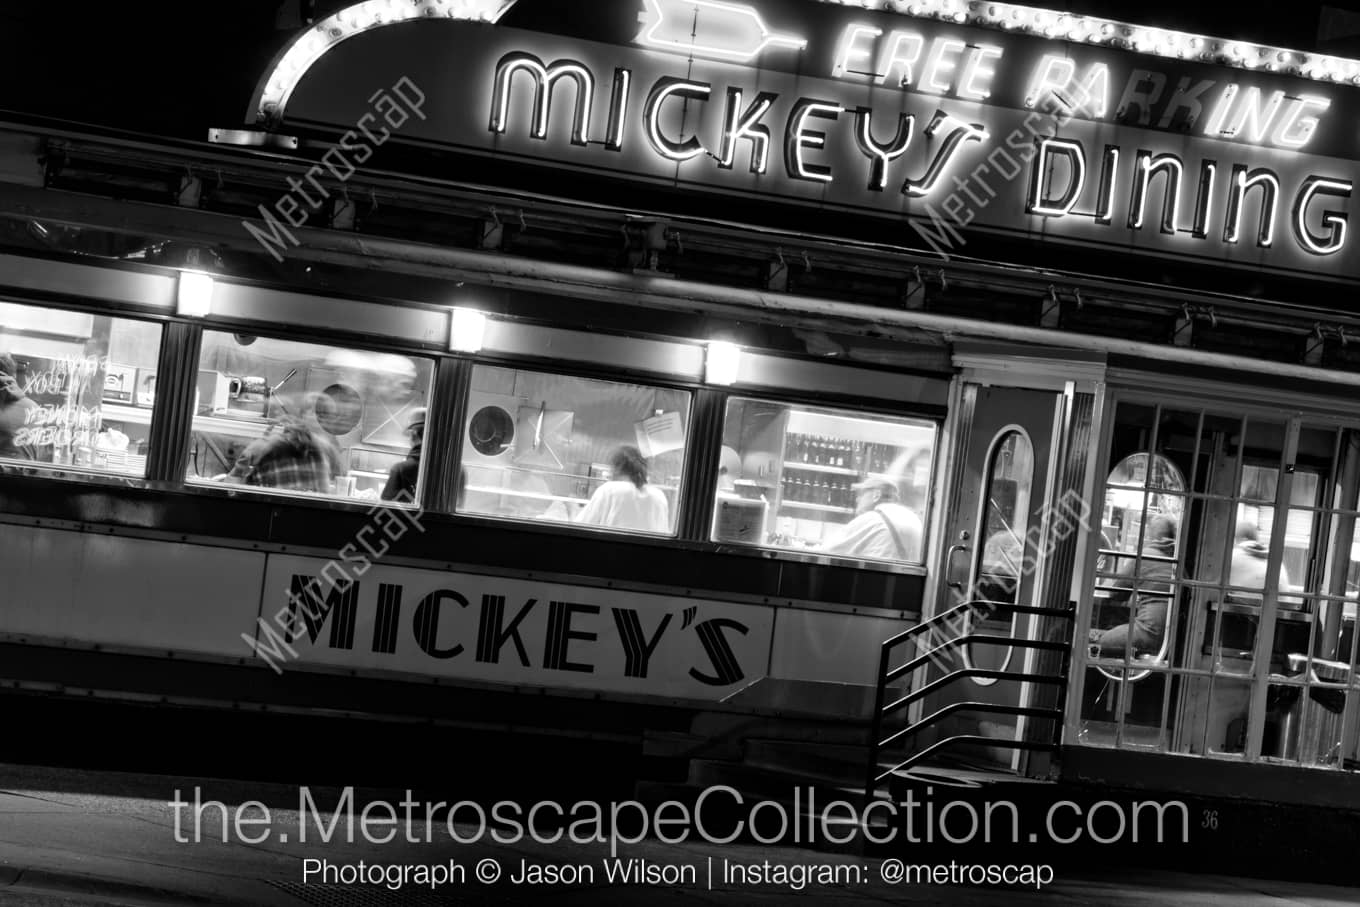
x=1265, y=633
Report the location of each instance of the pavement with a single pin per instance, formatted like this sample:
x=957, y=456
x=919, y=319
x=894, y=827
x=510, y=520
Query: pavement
x=75, y=837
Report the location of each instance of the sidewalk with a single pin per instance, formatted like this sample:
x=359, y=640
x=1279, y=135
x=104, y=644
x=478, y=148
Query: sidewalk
x=74, y=837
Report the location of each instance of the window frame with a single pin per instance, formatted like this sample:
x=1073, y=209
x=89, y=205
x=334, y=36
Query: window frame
x=89, y=474
x=852, y=407
x=338, y=341
x=561, y=368
x=1294, y=420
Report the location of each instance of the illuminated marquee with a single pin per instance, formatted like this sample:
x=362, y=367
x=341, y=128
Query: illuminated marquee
x=877, y=112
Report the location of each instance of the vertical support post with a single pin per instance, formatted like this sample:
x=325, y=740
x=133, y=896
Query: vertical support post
x=1265, y=631
x=444, y=435
x=172, y=418
x=701, y=465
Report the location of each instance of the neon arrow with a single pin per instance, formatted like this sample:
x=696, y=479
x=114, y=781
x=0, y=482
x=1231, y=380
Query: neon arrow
x=711, y=28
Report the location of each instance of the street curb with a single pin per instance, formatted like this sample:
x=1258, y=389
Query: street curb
x=19, y=879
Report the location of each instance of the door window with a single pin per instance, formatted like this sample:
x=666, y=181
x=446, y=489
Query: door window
x=1003, y=557
x=1005, y=520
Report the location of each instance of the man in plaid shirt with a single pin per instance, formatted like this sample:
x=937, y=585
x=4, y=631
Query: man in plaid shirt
x=288, y=456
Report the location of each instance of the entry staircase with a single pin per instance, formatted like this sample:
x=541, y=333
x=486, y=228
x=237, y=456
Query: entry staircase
x=823, y=758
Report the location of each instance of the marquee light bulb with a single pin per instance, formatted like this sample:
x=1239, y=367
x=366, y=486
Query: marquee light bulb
x=1146, y=40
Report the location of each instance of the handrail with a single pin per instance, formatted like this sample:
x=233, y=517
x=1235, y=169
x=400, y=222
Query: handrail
x=888, y=674
x=960, y=641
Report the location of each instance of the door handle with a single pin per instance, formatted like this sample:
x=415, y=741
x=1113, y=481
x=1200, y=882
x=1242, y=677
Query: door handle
x=953, y=578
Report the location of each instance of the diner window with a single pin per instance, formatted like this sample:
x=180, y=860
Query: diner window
x=604, y=454
x=824, y=481
x=281, y=416
x=1224, y=597
x=76, y=389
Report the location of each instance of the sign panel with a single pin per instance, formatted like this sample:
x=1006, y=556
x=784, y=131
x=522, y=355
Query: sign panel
x=511, y=631
x=109, y=590
x=933, y=128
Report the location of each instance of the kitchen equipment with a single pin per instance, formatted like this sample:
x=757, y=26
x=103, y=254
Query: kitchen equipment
x=339, y=409
x=490, y=436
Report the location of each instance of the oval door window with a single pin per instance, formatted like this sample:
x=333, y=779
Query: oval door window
x=999, y=568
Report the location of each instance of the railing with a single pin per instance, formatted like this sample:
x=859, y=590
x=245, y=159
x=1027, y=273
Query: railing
x=887, y=674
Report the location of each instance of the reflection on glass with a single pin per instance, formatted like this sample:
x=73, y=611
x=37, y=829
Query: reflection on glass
x=1005, y=520
x=1140, y=539
x=574, y=450
x=824, y=481
x=76, y=389
x=294, y=417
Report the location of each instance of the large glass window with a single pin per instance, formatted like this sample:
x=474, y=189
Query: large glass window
x=824, y=481
x=605, y=454
x=76, y=389
x=1224, y=595
x=281, y=416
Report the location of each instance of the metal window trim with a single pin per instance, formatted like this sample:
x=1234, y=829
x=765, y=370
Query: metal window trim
x=1102, y=437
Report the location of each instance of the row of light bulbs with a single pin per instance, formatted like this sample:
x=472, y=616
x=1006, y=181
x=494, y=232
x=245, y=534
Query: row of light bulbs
x=360, y=18
x=1161, y=42
x=467, y=327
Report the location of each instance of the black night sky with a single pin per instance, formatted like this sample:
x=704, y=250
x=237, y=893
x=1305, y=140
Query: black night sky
x=177, y=68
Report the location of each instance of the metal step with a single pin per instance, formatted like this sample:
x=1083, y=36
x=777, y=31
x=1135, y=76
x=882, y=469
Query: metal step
x=843, y=761
x=744, y=727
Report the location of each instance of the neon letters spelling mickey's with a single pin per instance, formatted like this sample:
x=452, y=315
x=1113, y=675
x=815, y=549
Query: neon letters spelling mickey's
x=921, y=122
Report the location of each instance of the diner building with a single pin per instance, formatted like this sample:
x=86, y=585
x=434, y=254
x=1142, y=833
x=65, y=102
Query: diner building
x=978, y=379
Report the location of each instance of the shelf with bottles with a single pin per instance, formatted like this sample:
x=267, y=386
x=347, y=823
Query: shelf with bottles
x=835, y=493
x=837, y=455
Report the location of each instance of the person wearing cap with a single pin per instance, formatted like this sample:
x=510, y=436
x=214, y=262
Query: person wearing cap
x=883, y=528
x=401, y=479
x=16, y=411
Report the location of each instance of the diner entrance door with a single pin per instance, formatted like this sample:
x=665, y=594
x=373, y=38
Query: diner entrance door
x=994, y=559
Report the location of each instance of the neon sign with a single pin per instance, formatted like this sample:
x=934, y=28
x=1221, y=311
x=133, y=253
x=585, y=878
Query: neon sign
x=913, y=120
x=710, y=28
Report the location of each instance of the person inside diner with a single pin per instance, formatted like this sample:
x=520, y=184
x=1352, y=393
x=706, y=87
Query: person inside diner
x=16, y=411
x=401, y=479
x=1249, y=557
x=290, y=455
x=1146, y=592
x=627, y=500
x=883, y=528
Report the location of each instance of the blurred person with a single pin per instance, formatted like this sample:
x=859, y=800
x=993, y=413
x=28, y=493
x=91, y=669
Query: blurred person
x=1249, y=560
x=1003, y=564
x=310, y=410
x=401, y=479
x=627, y=501
x=883, y=528
x=1145, y=584
x=16, y=412
x=290, y=455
